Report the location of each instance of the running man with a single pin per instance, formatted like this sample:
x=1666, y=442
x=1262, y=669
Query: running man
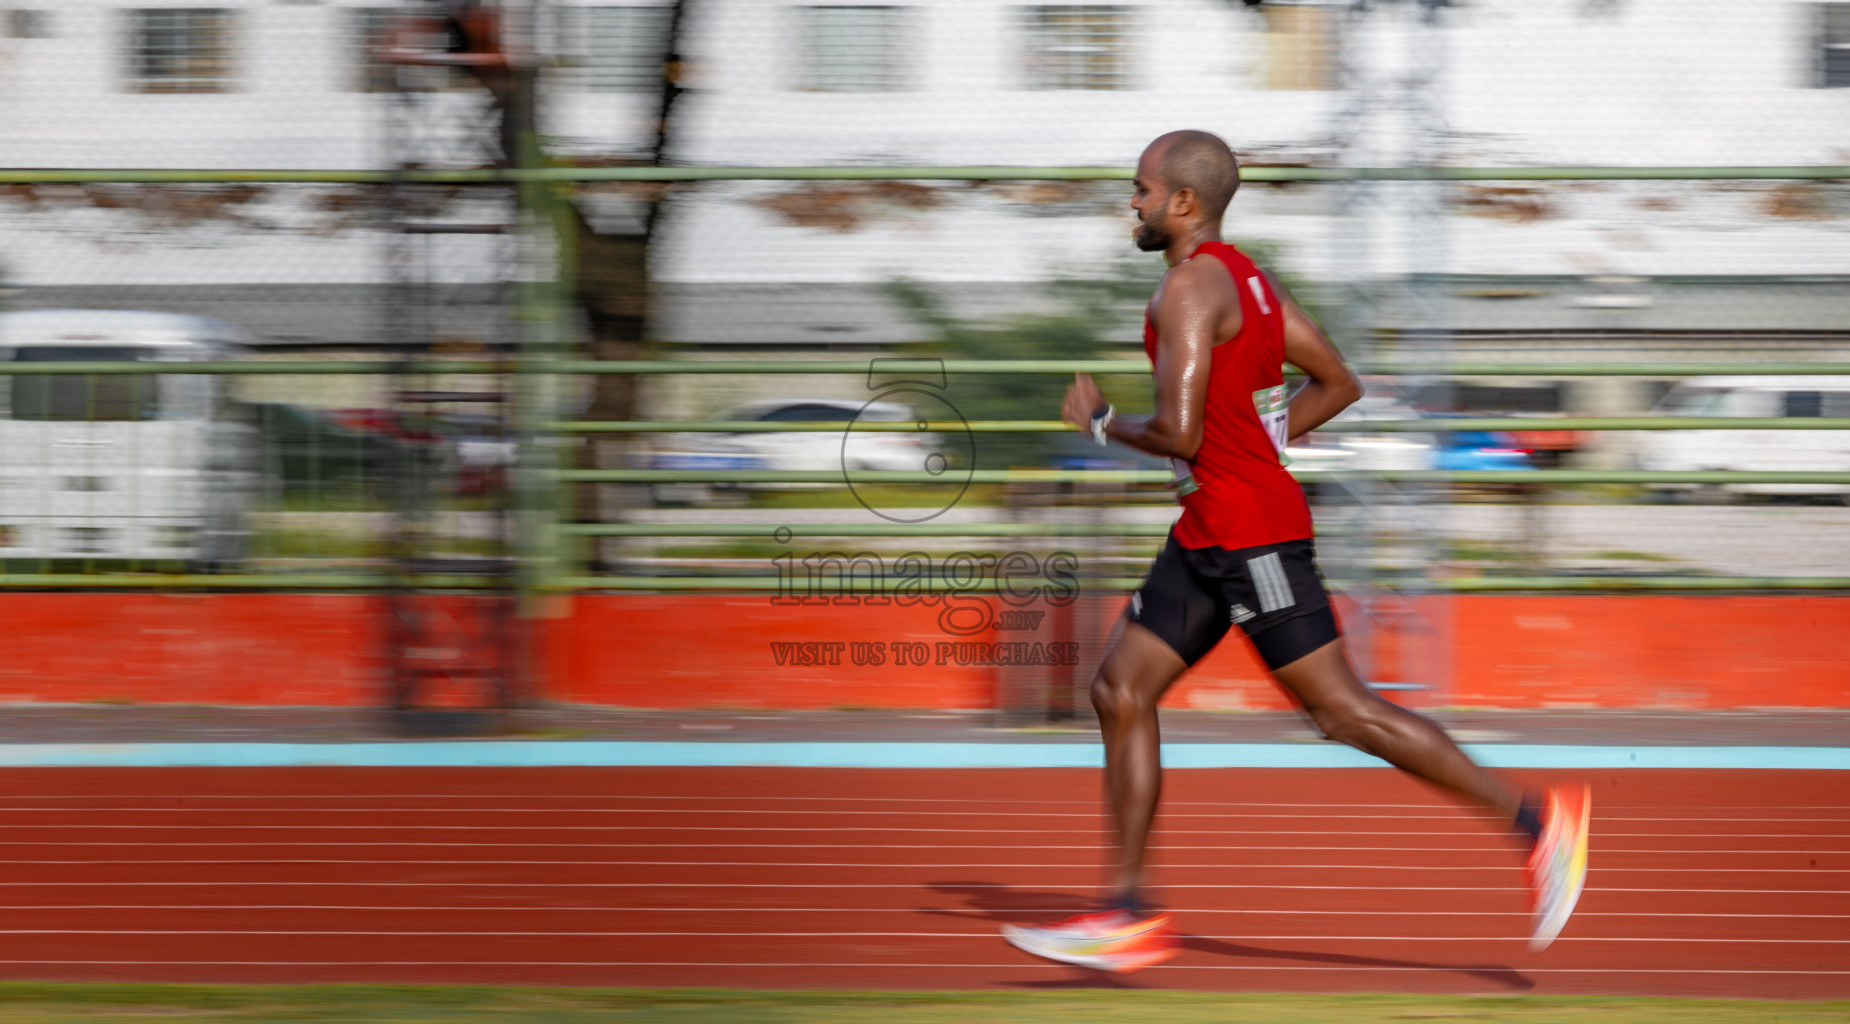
x=1241, y=554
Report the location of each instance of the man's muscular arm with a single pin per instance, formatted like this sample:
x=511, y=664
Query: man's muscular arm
x=1331, y=387
x=1190, y=316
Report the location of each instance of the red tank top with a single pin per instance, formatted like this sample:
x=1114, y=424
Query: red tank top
x=1243, y=495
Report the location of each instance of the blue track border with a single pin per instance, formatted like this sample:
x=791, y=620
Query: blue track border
x=523, y=754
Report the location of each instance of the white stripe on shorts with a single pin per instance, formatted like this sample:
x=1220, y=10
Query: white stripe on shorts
x=1268, y=573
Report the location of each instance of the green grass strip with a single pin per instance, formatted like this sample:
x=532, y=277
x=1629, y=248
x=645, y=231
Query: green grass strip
x=36, y=1003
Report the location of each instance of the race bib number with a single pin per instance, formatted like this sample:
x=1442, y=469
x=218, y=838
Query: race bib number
x=1273, y=407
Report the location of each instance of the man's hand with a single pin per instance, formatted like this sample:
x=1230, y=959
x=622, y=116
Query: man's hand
x=1083, y=398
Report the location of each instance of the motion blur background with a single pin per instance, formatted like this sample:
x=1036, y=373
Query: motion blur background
x=532, y=342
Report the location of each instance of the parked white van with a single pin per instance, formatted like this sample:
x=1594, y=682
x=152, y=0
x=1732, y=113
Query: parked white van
x=1724, y=398
x=113, y=466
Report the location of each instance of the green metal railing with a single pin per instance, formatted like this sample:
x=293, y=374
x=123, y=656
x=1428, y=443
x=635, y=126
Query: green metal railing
x=565, y=579
x=869, y=530
x=725, y=367
x=1526, y=479
x=1146, y=476
x=541, y=185
x=573, y=175
x=1421, y=426
x=1484, y=584
x=1141, y=368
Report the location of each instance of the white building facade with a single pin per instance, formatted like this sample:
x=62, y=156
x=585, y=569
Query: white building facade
x=291, y=84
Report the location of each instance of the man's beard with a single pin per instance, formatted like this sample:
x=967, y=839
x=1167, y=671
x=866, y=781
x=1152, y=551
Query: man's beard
x=1152, y=237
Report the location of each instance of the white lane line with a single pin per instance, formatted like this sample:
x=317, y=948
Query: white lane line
x=1723, y=835
x=1501, y=913
x=1480, y=938
x=1086, y=866
x=986, y=935
x=908, y=886
x=710, y=812
x=1076, y=908
x=1486, y=833
x=882, y=799
x=1501, y=854
x=799, y=964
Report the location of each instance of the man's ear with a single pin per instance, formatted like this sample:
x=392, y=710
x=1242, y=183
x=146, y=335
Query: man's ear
x=1183, y=202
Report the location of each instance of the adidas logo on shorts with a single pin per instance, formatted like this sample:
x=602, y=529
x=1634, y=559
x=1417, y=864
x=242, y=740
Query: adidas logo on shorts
x=1240, y=613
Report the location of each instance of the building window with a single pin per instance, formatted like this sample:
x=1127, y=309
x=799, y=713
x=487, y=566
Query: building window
x=614, y=49
x=373, y=29
x=181, y=49
x=1834, y=46
x=28, y=24
x=1833, y=404
x=852, y=49
x=1301, y=43
x=1077, y=46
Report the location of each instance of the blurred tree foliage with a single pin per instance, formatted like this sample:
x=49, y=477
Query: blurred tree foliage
x=1091, y=319
x=1082, y=325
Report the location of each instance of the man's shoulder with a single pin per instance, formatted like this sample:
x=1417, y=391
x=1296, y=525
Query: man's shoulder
x=1201, y=276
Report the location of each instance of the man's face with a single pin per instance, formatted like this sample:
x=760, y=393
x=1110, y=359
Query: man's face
x=1150, y=198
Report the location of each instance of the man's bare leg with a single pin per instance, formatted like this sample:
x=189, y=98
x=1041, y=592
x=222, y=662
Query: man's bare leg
x=1349, y=712
x=1130, y=682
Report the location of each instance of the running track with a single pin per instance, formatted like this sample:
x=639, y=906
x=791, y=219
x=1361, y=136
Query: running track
x=1704, y=883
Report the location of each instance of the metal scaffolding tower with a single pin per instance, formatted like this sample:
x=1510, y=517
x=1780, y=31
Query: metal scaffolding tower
x=1391, y=252
x=453, y=642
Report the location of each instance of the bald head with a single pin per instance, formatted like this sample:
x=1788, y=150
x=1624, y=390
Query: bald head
x=1202, y=162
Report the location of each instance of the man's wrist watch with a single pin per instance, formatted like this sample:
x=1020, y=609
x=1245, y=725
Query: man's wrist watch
x=1100, y=420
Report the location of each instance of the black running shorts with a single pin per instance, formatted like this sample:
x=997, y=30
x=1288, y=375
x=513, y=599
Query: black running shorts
x=1273, y=592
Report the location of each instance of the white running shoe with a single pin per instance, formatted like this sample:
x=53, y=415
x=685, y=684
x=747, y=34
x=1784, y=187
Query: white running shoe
x=1557, y=867
x=1109, y=940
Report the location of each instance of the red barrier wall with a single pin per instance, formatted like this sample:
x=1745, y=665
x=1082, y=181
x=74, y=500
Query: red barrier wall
x=246, y=649
x=1651, y=652
x=715, y=651
x=1508, y=652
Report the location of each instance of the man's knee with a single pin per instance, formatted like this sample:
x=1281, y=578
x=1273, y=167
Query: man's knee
x=1357, y=723
x=1117, y=699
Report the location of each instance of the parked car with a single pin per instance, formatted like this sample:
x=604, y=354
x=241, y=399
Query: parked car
x=470, y=454
x=1347, y=450
x=122, y=466
x=483, y=453
x=1328, y=449
x=1725, y=398
x=833, y=448
x=310, y=450
x=828, y=450
x=1405, y=450
x=1481, y=450
x=697, y=455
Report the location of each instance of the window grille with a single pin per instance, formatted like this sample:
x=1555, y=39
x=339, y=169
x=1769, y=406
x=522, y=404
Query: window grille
x=1834, y=46
x=181, y=49
x=23, y=23
x=614, y=48
x=372, y=29
x=853, y=49
x=1077, y=46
